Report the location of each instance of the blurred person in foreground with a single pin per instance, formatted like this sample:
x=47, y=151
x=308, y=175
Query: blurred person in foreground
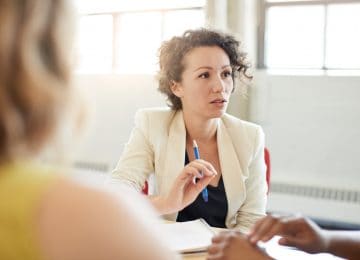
x=295, y=231
x=43, y=214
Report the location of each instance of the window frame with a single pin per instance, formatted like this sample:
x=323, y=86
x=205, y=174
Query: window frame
x=265, y=5
x=116, y=15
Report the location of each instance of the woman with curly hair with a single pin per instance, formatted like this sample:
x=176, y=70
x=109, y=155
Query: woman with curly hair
x=197, y=73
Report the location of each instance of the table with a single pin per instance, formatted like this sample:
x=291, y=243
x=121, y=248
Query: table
x=272, y=248
x=278, y=252
x=197, y=256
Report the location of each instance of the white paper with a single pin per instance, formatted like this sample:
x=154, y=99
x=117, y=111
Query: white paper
x=284, y=252
x=189, y=236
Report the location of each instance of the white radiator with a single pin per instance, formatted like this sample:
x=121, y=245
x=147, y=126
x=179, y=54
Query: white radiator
x=318, y=202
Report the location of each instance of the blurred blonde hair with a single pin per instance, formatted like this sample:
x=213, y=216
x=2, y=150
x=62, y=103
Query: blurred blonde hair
x=34, y=72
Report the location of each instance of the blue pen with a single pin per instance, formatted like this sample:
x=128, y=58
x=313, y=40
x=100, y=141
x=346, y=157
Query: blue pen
x=204, y=192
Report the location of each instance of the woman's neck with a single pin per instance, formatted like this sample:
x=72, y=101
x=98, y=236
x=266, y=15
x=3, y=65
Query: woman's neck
x=199, y=129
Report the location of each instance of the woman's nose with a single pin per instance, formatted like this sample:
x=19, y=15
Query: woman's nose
x=219, y=85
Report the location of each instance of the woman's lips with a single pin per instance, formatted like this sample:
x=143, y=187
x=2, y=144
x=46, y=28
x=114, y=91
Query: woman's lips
x=218, y=101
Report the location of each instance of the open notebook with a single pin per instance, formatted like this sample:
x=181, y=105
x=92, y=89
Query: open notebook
x=188, y=237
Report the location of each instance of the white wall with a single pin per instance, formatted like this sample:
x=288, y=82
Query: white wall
x=312, y=127
x=113, y=101
x=312, y=124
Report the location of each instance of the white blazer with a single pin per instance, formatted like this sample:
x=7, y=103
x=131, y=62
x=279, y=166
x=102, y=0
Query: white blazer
x=157, y=146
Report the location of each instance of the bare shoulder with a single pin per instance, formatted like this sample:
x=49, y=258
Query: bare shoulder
x=80, y=222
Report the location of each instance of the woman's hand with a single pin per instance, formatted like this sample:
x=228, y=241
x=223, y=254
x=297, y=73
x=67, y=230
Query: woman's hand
x=185, y=190
x=296, y=231
x=232, y=245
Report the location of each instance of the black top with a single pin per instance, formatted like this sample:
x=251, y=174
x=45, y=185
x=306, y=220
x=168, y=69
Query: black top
x=214, y=211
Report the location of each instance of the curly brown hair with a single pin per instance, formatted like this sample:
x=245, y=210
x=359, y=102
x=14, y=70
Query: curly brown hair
x=172, y=52
x=34, y=72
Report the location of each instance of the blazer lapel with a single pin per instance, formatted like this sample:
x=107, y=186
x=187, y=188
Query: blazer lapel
x=232, y=173
x=174, y=158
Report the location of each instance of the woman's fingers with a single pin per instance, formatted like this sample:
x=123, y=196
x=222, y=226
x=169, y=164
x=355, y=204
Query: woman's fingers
x=208, y=165
x=273, y=225
x=194, y=177
x=194, y=170
x=275, y=229
x=203, y=167
x=262, y=228
x=217, y=239
x=203, y=182
x=215, y=250
x=197, y=170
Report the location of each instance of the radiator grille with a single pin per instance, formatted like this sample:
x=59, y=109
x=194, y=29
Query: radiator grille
x=92, y=166
x=350, y=196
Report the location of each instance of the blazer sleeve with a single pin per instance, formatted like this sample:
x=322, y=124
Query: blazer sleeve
x=137, y=160
x=254, y=206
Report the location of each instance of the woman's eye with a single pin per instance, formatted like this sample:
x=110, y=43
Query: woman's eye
x=204, y=75
x=227, y=74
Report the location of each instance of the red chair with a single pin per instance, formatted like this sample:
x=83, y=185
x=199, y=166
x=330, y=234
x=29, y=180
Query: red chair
x=145, y=189
x=268, y=167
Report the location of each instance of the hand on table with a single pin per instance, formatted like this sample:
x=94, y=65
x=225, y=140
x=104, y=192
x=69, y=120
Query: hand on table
x=232, y=245
x=295, y=231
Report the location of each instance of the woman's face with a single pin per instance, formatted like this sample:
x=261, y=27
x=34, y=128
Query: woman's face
x=206, y=82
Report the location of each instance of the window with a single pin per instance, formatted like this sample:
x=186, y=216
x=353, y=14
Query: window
x=94, y=45
x=124, y=36
x=322, y=34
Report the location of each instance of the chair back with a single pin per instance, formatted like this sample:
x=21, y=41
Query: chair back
x=268, y=167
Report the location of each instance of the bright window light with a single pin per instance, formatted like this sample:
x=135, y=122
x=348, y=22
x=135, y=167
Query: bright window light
x=294, y=37
x=343, y=37
x=139, y=38
x=96, y=6
x=124, y=36
x=311, y=34
x=172, y=26
x=94, y=43
x=284, y=1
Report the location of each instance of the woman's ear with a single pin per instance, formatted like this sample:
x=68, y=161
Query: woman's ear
x=176, y=88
